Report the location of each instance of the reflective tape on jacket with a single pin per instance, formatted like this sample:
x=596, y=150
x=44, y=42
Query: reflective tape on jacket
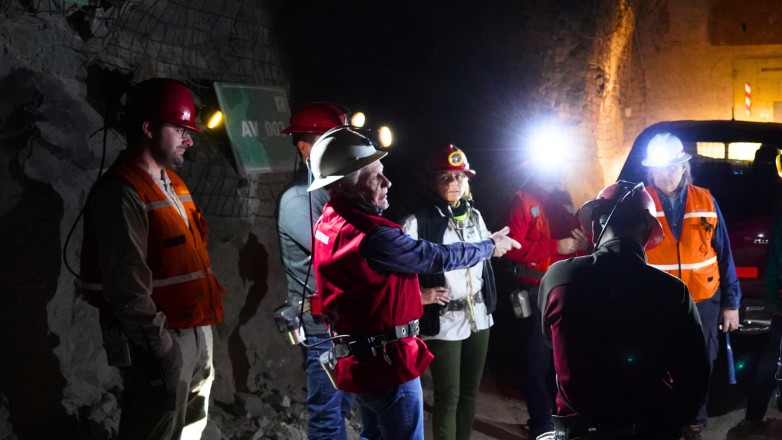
x=693, y=266
x=692, y=258
x=183, y=285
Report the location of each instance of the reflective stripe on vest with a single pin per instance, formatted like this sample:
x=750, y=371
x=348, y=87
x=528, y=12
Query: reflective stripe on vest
x=155, y=283
x=670, y=267
x=180, y=279
x=164, y=203
x=692, y=258
x=183, y=286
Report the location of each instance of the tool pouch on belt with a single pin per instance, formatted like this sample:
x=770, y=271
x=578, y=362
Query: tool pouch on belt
x=430, y=320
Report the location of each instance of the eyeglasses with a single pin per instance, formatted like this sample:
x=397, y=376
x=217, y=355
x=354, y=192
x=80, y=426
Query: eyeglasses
x=183, y=132
x=448, y=177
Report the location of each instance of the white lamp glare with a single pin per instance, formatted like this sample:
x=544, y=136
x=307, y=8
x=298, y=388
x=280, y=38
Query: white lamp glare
x=358, y=119
x=385, y=137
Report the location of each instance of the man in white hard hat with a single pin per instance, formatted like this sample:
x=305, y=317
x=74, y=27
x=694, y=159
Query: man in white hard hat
x=365, y=269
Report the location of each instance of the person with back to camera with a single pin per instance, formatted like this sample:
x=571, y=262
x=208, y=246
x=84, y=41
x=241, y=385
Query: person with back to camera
x=695, y=246
x=458, y=303
x=145, y=265
x=365, y=268
x=298, y=209
x=629, y=352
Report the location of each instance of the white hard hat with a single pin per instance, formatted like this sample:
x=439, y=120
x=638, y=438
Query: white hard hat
x=339, y=152
x=665, y=150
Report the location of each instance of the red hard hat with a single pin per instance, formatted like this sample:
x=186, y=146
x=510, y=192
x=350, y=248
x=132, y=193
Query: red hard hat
x=448, y=158
x=162, y=99
x=626, y=197
x=316, y=118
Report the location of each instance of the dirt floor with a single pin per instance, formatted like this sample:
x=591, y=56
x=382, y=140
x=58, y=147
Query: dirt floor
x=500, y=415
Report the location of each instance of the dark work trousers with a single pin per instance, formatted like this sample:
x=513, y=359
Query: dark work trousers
x=709, y=311
x=762, y=383
x=537, y=375
x=457, y=369
x=149, y=412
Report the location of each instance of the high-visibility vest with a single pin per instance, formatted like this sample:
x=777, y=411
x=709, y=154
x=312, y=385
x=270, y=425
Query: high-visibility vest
x=692, y=259
x=183, y=286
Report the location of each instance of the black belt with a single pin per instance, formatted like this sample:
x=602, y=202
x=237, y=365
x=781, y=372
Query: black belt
x=364, y=348
x=578, y=428
x=458, y=305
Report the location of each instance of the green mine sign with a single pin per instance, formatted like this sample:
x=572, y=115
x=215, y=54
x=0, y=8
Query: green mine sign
x=254, y=116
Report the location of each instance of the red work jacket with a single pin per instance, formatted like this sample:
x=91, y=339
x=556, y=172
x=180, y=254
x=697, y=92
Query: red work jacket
x=537, y=222
x=359, y=301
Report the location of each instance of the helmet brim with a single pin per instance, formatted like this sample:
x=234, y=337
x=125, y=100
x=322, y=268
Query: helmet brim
x=351, y=168
x=191, y=127
x=586, y=217
x=683, y=158
x=586, y=212
x=656, y=237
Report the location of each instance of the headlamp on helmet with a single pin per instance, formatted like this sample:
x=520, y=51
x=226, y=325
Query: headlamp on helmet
x=665, y=150
x=339, y=152
x=448, y=158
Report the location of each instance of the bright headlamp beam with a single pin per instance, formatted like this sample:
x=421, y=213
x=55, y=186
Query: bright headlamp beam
x=385, y=137
x=549, y=147
x=215, y=120
x=358, y=119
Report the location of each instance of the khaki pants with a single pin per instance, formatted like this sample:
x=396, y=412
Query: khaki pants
x=150, y=412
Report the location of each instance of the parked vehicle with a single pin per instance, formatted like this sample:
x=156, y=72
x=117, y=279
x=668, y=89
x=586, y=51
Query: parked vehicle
x=737, y=161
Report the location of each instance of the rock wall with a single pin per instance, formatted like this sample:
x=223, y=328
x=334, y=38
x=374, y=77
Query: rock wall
x=61, y=67
x=604, y=68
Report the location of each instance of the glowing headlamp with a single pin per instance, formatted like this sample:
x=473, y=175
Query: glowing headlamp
x=215, y=120
x=384, y=136
x=549, y=147
x=358, y=119
x=665, y=149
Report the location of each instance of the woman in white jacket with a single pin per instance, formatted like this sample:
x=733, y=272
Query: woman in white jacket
x=457, y=304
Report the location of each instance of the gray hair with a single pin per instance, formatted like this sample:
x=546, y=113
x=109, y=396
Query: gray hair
x=686, y=176
x=345, y=186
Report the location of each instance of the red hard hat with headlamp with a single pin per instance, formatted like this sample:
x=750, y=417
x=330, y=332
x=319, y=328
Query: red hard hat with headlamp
x=316, y=118
x=448, y=158
x=162, y=99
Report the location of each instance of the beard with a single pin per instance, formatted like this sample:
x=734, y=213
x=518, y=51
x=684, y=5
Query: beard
x=168, y=159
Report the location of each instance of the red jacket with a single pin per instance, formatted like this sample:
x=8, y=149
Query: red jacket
x=537, y=222
x=183, y=286
x=361, y=302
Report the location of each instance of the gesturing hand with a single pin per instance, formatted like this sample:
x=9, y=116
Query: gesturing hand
x=503, y=243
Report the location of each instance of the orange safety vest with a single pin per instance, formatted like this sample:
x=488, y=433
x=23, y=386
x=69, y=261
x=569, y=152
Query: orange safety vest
x=692, y=259
x=183, y=286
